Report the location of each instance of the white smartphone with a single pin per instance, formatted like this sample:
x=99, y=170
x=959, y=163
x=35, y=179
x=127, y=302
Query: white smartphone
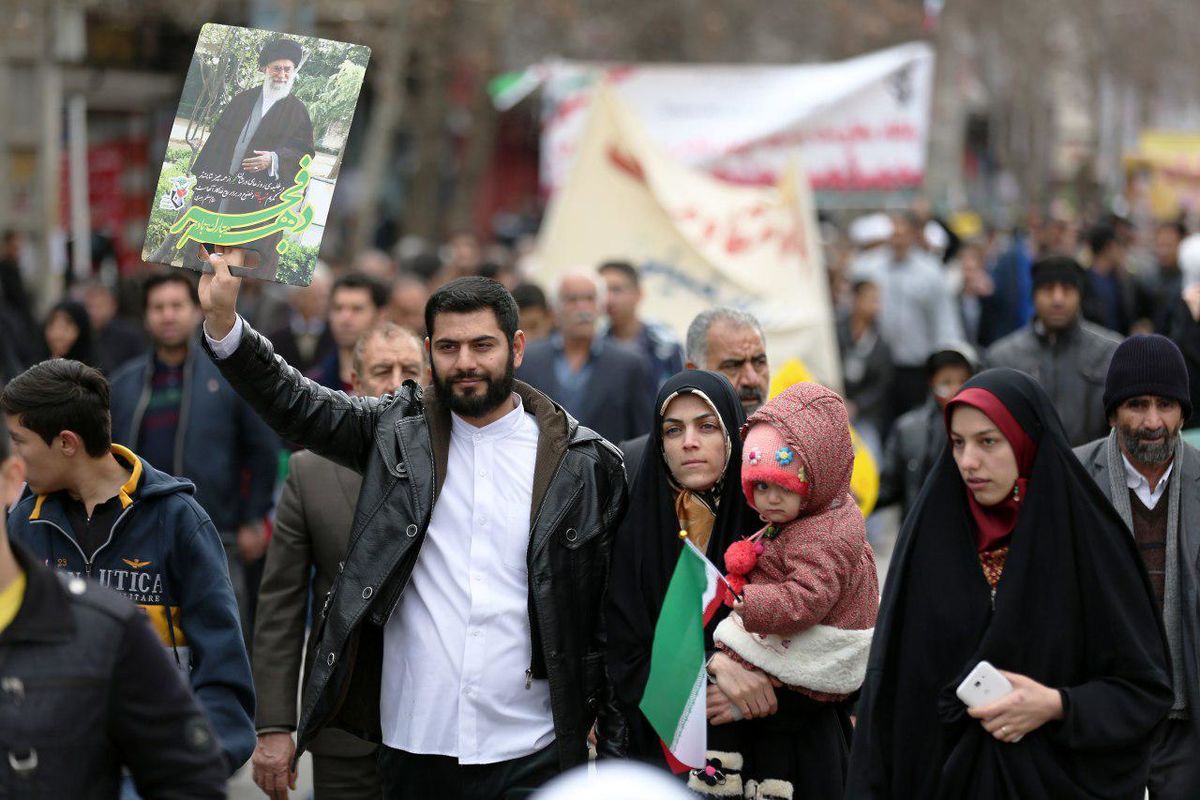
x=984, y=685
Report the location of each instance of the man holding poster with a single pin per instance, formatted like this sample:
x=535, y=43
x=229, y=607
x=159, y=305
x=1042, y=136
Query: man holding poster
x=463, y=630
x=256, y=146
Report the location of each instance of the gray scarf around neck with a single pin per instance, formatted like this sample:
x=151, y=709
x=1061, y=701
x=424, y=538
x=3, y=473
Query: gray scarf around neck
x=1172, y=618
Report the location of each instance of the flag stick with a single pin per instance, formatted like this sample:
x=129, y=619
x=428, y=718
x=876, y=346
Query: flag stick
x=683, y=536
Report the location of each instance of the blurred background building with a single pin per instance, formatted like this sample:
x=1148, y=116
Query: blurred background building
x=1033, y=102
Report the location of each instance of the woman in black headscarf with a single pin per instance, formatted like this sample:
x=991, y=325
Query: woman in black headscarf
x=702, y=495
x=68, y=332
x=1011, y=555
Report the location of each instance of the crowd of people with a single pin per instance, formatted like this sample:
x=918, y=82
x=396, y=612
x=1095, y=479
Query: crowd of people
x=444, y=505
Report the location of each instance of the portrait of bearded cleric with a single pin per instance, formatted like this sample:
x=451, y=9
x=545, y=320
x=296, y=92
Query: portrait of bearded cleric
x=255, y=151
x=255, y=148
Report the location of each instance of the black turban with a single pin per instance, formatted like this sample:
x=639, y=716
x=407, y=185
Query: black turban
x=281, y=48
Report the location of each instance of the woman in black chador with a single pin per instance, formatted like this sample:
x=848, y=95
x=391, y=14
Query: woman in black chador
x=1011, y=555
x=689, y=479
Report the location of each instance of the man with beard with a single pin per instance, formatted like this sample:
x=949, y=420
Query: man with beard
x=727, y=341
x=463, y=630
x=253, y=153
x=1152, y=478
x=601, y=382
x=312, y=528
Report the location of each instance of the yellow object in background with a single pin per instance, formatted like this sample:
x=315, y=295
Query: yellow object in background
x=864, y=481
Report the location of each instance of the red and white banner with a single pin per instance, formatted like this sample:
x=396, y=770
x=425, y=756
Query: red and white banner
x=862, y=123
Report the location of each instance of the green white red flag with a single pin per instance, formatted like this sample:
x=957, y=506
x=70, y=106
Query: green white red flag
x=674, y=699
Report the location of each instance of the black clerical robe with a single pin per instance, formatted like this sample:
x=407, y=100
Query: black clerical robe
x=285, y=130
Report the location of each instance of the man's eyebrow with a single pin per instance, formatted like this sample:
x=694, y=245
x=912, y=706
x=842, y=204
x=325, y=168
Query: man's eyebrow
x=485, y=338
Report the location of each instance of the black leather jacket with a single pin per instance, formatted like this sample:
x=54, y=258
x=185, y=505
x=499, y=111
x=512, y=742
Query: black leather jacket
x=400, y=445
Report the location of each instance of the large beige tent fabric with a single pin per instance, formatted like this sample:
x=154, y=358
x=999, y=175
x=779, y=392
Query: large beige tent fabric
x=698, y=242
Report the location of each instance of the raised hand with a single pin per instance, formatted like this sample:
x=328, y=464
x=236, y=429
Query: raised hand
x=219, y=290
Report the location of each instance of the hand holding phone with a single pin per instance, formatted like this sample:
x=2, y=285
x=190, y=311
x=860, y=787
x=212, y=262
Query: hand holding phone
x=983, y=686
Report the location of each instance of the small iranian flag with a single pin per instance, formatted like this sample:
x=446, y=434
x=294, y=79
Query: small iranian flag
x=674, y=700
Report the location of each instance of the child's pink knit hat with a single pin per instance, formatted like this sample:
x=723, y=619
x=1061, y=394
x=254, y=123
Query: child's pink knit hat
x=768, y=458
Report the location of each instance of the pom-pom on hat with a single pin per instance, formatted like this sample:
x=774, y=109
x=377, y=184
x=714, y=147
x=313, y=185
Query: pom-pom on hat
x=767, y=457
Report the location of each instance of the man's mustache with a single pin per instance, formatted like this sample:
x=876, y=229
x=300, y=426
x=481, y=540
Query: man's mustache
x=581, y=317
x=1149, y=435
x=751, y=393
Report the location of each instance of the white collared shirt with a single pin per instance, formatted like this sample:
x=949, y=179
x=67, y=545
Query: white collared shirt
x=1141, y=487
x=458, y=644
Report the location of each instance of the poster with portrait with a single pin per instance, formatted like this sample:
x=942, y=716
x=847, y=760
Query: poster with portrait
x=254, y=151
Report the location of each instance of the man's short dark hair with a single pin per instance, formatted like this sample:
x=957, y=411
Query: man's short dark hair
x=623, y=267
x=530, y=295
x=62, y=395
x=158, y=279
x=5, y=447
x=357, y=280
x=1100, y=237
x=862, y=284
x=464, y=295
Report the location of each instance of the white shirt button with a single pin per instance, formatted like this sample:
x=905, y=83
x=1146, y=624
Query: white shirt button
x=483, y=473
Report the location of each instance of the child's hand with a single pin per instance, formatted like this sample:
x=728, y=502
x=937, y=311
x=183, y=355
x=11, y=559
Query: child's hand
x=738, y=604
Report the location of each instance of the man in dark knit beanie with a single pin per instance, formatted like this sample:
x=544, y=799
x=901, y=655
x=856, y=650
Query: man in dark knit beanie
x=1152, y=478
x=1066, y=354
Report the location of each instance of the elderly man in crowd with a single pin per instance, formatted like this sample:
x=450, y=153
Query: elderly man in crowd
x=1152, y=478
x=721, y=340
x=600, y=382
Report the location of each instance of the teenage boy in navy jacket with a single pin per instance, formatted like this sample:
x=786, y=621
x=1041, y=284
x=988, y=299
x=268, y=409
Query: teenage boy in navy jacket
x=96, y=510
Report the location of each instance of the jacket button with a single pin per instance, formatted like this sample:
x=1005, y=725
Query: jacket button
x=572, y=535
x=331, y=659
x=411, y=530
x=367, y=592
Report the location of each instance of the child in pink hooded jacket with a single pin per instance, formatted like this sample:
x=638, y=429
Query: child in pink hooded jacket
x=811, y=592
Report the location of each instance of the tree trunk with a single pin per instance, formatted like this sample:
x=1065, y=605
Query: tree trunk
x=423, y=201
x=481, y=142
x=947, y=126
x=379, y=146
